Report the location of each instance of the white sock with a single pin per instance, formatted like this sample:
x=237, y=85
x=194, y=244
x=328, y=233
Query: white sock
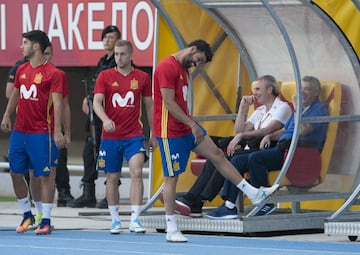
x=135, y=212
x=114, y=212
x=171, y=225
x=47, y=210
x=247, y=188
x=25, y=205
x=38, y=206
x=229, y=204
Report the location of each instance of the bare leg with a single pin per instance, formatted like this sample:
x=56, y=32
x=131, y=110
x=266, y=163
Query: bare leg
x=19, y=185
x=35, y=186
x=112, y=188
x=136, y=164
x=170, y=194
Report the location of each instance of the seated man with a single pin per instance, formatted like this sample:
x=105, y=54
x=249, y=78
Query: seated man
x=269, y=117
x=260, y=162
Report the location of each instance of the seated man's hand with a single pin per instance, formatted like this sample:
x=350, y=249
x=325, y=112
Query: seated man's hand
x=232, y=145
x=265, y=142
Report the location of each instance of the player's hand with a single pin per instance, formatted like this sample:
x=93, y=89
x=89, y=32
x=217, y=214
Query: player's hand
x=152, y=144
x=233, y=143
x=265, y=142
x=109, y=125
x=6, y=125
x=59, y=140
x=198, y=134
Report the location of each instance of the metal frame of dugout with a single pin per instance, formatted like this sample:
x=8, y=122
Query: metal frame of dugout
x=284, y=219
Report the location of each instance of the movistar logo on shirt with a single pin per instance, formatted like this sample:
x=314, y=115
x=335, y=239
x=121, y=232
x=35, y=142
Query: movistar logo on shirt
x=127, y=101
x=30, y=93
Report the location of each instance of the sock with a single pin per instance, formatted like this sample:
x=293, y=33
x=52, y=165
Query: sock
x=47, y=210
x=25, y=205
x=38, y=206
x=229, y=204
x=171, y=225
x=247, y=188
x=114, y=213
x=135, y=212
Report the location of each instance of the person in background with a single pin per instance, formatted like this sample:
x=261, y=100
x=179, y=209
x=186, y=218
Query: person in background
x=178, y=134
x=270, y=116
x=110, y=35
x=259, y=163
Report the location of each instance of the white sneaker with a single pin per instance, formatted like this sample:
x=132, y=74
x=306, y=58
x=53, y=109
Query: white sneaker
x=115, y=227
x=136, y=227
x=263, y=193
x=176, y=237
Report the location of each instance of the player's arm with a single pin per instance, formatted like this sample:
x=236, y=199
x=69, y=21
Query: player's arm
x=149, y=106
x=67, y=121
x=108, y=124
x=9, y=89
x=10, y=109
x=58, y=111
x=168, y=96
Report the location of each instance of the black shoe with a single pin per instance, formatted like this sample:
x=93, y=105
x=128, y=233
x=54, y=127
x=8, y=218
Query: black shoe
x=64, y=196
x=102, y=204
x=266, y=210
x=87, y=199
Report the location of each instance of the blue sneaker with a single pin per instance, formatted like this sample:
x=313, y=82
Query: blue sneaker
x=222, y=212
x=115, y=227
x=266, y=210
x=136, y=226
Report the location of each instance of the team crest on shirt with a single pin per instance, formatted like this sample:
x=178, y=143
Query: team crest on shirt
x=23, y=76
x=38, y=78
x=101, y=163
x=115, y=84
x=176, y=166
x=134, y=84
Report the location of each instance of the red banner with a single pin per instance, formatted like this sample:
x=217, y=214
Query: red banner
x=74, y=27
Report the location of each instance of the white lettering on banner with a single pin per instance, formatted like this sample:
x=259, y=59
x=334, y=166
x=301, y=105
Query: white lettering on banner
x=73, y=28
x=139, y=7
x=93, y=25
x=39, y=18
x=2, y=27
x=123, y=8
x=55, y=26
x=28, y=94
x=122, y=102
x=175, y=156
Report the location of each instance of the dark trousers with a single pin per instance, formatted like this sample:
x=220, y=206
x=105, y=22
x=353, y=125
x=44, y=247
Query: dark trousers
x=208, y=183
x=89, y=157
x=62, y=172
x=258, y=164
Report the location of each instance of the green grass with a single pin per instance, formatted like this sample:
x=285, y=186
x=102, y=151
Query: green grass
x=7, y=199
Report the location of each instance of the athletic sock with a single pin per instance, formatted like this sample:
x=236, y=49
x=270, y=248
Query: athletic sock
x=135, y=212
x=171, y=225
x=247, y=188
x=114, y=212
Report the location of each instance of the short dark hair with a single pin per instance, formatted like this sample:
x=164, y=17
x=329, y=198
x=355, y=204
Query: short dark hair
x=37, y=36
x=110, y=29
x=203, y=46
x=270, y=81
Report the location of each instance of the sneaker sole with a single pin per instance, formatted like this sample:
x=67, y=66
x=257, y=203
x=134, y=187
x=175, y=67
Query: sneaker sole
x=227, y=217
x=196, y=215
x=267, y=213
x=181, y=208
x=138, y=231
x=115, y=232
